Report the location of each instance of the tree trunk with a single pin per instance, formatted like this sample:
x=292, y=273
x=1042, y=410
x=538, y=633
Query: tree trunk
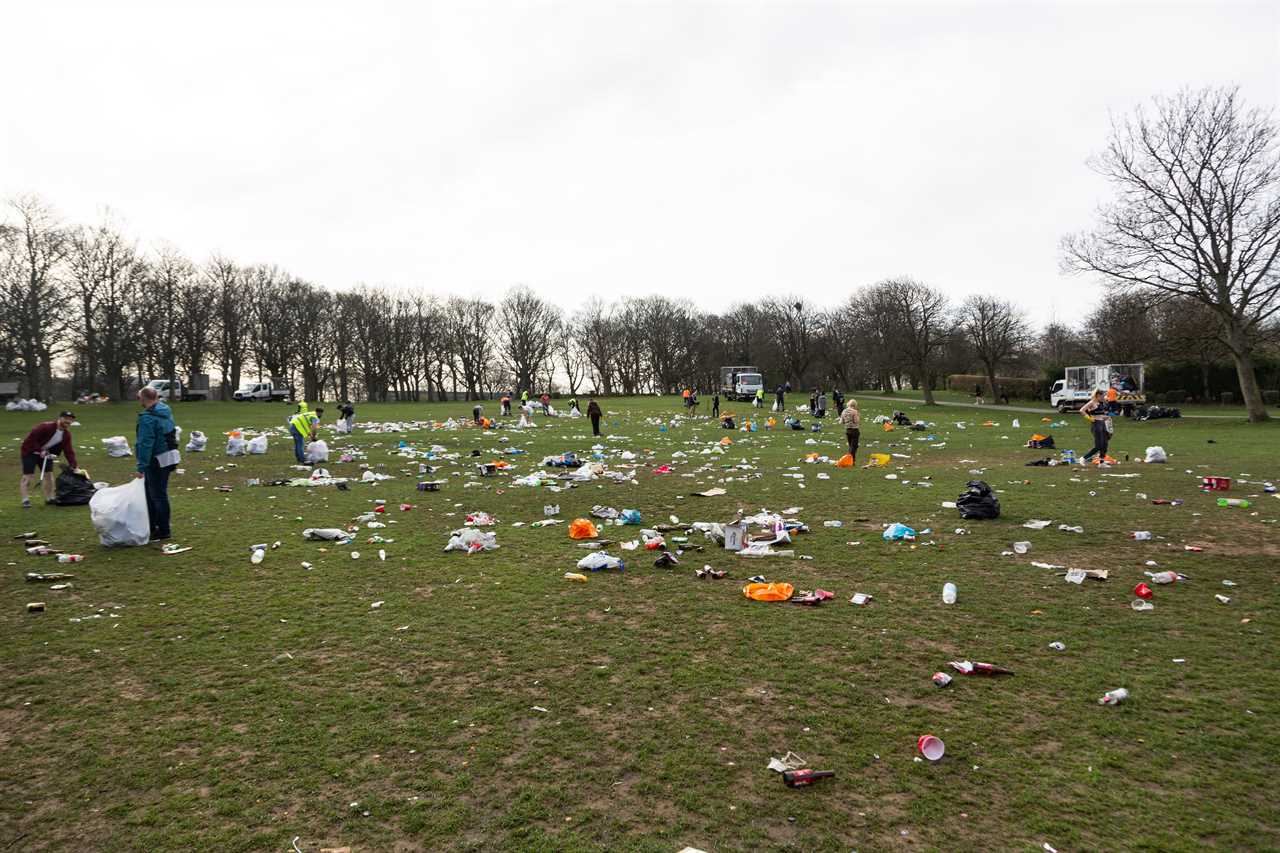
x=1204, y=378
x=1242, y=353
x=991, y=382
x=927, y=386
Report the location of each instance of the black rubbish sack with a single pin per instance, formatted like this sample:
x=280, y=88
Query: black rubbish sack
x=72, y=489
x=978, y=501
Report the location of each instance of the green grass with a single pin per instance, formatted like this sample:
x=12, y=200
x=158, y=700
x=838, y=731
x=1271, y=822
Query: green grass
x=219, y=705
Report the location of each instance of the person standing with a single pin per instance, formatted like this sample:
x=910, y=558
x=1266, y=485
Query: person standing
x=348, y=414
x=156, y=448
x=780, y=398
x=506, y=404
x=851, y=419
x=45, y=441
x=715, y=405
x=593, y=412
x=838, y=399
x=822, y=404
x=684, y=399
x=545, y=400
x=304, y=427
x=977, y=394
x=476, y=411
x=813, y=403
x=524, y=398
x=1100, y=425
x=759, y=401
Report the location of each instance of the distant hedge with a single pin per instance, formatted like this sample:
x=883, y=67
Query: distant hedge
x=1014, y=386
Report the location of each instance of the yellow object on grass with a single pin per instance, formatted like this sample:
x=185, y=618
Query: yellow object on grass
x=768, y=591
x=880, y=460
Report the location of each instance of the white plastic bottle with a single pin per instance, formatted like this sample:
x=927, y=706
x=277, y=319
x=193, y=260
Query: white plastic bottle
x=948, y=593
x=1114, y=697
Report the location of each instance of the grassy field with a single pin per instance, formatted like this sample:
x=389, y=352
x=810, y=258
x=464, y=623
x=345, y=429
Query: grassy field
x=201, y=702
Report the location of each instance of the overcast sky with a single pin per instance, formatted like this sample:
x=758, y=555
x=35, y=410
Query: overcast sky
x=720, y=151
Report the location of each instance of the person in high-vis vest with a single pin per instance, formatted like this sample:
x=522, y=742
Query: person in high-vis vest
x=305, y=428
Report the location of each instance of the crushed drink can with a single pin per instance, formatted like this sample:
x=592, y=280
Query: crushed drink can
x=70, y=558
x=941, y=679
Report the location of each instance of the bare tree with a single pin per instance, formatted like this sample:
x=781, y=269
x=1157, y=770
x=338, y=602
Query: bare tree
x=997, y=331
x=1197, y=215
x=160, y=318
x=233, y=321
x=527, y=324
x=470, y=324
x=197, y=328
x=570, y=356
x=794, y=324
x=1122, y=329
x=595, y=330
x=919, y=326
x=32, y=255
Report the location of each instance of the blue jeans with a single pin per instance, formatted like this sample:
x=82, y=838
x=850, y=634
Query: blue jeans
x=299, y=446
x=157, y=482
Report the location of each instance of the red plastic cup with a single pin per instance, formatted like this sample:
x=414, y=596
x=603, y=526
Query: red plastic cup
x=1143, y=591
x=931, y=747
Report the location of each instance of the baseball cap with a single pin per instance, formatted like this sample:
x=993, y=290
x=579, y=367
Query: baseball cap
x=66, y=415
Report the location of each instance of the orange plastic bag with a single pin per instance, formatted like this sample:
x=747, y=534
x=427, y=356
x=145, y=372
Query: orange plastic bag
x=582, y=528
x=888, y=426
x=768, y=591
x=1038, y=437
x=845, y=461
x=726, y=441
x=811, y=457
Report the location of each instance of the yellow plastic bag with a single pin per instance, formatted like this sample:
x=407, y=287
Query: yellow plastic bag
x=768, y=591
x=582, y=528
x=845, y=461
x=880, y=460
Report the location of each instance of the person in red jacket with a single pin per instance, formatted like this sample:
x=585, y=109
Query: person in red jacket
x=44, y=442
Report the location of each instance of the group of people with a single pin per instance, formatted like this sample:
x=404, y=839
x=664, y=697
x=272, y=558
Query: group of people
x=593, y=413
x=155, y=453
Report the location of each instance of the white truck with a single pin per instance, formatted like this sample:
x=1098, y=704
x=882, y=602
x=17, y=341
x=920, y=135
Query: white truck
x=1077, y=386
x=740, y=382
x=174, y=389
x=267, y=392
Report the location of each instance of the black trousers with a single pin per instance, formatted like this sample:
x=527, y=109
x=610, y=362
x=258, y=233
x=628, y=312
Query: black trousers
x=595, y=424
x=1101, y=438
x=157, y=482
x=853, y=435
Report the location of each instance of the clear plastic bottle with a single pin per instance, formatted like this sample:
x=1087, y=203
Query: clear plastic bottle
x=1240, y=502
x=1163, y=577
x=258, y=554
x=1114, y=697
x=948, y=593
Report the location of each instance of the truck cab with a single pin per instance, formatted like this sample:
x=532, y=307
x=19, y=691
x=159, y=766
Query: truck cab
x=167, y=389
x=741, y=383
x=1123, y=384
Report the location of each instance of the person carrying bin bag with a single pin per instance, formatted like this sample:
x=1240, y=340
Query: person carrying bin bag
x=157, y=452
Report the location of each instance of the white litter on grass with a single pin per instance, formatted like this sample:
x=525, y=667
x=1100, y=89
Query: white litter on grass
x=1037, y=524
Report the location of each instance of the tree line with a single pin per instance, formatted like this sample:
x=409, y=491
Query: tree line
x=1188, y=251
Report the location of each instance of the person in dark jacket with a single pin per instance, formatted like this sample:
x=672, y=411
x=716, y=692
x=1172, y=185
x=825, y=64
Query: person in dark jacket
x=593, y=412
x=45, y=441
x=779, y=397
x=157, y=450
x=838, y=398
x=715, y=406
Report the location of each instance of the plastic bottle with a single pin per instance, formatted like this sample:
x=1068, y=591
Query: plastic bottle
x=948, y=593
x=1163, y=577
x=1140, y=535
x=574, y=576
x=1240, y=502
x=1114, y=697
x=70, y=558
x=258, y=554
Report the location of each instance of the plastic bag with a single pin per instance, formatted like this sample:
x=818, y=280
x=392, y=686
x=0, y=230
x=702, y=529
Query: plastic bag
x=977, y=501
x=197, y=442
x=897, y=531
x=236, y=446
x=845, y=461
x=341, y=427
x=318, y=451
x=768, y=591
x=73, y=489
x=880, y=460
x=582, y=528
x=117, y=445
x=258, y=444
x=1156, y=454
x=119, y=514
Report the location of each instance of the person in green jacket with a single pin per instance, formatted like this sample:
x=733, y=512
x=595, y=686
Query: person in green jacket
x=156, y=448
